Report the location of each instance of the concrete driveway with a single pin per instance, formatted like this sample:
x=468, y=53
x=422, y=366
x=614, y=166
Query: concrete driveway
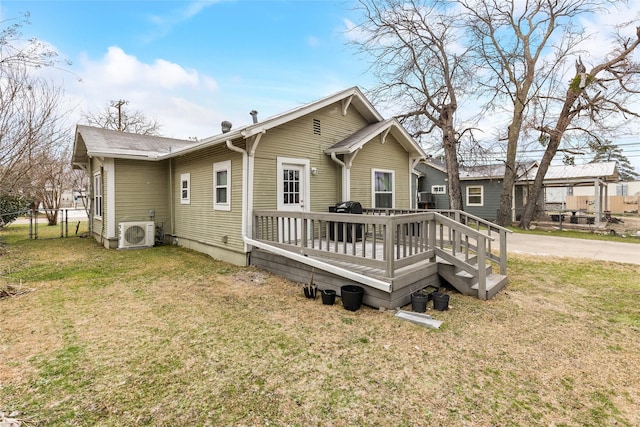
x=573, y=248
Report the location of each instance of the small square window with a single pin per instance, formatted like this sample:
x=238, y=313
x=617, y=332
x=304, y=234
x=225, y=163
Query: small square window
x=439, y=189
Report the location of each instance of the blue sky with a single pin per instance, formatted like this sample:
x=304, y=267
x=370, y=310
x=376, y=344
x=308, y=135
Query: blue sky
x=192, y=64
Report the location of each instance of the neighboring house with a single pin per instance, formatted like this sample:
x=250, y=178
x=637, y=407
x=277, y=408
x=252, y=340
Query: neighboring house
x=203, y=193
x=481, y=187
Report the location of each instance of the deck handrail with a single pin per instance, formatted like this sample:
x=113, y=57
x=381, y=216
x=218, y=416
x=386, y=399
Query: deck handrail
x=498, y=255
x=388, y=242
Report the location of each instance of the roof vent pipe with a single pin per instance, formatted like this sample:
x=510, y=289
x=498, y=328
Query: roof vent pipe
x=254, y=114
x=226, y=126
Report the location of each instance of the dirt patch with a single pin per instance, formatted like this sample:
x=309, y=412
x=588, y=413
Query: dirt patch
x=624, y=226
x=7, y=291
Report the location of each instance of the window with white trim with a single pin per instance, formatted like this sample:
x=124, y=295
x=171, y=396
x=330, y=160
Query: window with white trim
x=383, y=186
x=475, y=195
x=439, y=189
x=222, y=186
x=97, y=195
x=185, y=188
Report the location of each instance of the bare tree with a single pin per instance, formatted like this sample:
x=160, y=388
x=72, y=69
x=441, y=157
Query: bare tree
x=514, y=40
x=13, y=50
x=30, y=113
x=52, y=179
x=591, y=98
x=30, y=119
x=421, y=69
x=116, y=116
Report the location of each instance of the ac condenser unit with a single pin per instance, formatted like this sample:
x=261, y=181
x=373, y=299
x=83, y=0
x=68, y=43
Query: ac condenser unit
x=139, y=234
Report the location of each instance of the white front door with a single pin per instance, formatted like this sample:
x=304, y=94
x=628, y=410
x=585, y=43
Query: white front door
x=293, y=193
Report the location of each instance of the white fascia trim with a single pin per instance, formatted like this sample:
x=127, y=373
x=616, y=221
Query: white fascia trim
x=360, y=278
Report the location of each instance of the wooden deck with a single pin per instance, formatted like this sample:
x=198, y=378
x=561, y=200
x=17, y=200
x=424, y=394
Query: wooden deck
x=391, y=253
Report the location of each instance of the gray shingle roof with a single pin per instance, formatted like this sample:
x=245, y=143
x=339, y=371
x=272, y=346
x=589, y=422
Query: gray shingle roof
x=92, y=141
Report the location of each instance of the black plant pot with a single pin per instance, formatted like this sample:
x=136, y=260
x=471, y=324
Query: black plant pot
x=351, y=297
x=440, y=301
x=310, y=292
x=328, y=296
x=419, y=302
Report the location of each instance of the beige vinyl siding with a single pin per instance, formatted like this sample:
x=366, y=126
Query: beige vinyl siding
x=198, y=221
x=387, y=156
x=296, y=139
x=141, y=186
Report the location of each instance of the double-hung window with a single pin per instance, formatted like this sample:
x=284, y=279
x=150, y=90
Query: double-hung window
x=185, y=188
x=97, y=195
x=222, y=186
x=383, y=185
x=475, y=195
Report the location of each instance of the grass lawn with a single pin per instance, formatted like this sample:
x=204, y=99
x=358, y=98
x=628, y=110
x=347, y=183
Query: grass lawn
x=167, y=336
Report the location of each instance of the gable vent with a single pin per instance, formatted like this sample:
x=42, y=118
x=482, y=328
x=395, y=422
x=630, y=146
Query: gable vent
x=316, y=127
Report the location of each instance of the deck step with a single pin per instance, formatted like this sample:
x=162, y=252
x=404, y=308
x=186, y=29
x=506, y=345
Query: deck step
x=495, y=283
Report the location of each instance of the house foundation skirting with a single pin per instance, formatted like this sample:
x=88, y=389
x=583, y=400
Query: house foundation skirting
x=301, y=273
x=216, y=252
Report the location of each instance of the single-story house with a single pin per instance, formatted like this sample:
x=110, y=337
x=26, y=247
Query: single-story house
x=261, y=194
x=481, y=187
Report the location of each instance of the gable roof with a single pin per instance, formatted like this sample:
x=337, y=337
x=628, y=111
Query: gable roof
x=98, y=142
x=92, y=141
x=349, y=97
x=364, y=135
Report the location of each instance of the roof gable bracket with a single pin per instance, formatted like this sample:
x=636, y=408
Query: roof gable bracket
x=349, y=158
x=414, y=162
x=253, y=141
x=345, y=104
x=383, y=136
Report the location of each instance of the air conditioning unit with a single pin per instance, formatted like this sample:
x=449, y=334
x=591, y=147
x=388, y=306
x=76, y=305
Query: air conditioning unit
x=140, y=234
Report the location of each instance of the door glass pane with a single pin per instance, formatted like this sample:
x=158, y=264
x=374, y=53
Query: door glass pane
x=291, y=186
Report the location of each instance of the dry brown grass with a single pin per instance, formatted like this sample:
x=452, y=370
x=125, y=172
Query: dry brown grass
x=167, y=336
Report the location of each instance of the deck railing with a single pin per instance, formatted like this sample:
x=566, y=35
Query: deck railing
x=381, y=239
x=496, y=249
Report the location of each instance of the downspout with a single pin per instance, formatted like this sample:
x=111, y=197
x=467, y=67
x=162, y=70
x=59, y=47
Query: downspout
x=413, y=198
x=172, y=214
x=345, y=176
x=245, y=196
x=346, y=172
x=248, y=157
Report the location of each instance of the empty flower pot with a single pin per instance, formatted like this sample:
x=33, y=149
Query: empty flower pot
x=440, y=301
x=419, y=302
x=328, y=296
x=351, y=297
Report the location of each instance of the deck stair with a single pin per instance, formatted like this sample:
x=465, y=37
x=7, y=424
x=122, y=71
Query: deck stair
x=467, y=283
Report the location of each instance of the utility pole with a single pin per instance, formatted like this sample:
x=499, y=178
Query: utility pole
x=118, y=105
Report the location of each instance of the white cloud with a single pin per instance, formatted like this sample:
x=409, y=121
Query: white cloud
x=182, y=100
x=163, y=25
